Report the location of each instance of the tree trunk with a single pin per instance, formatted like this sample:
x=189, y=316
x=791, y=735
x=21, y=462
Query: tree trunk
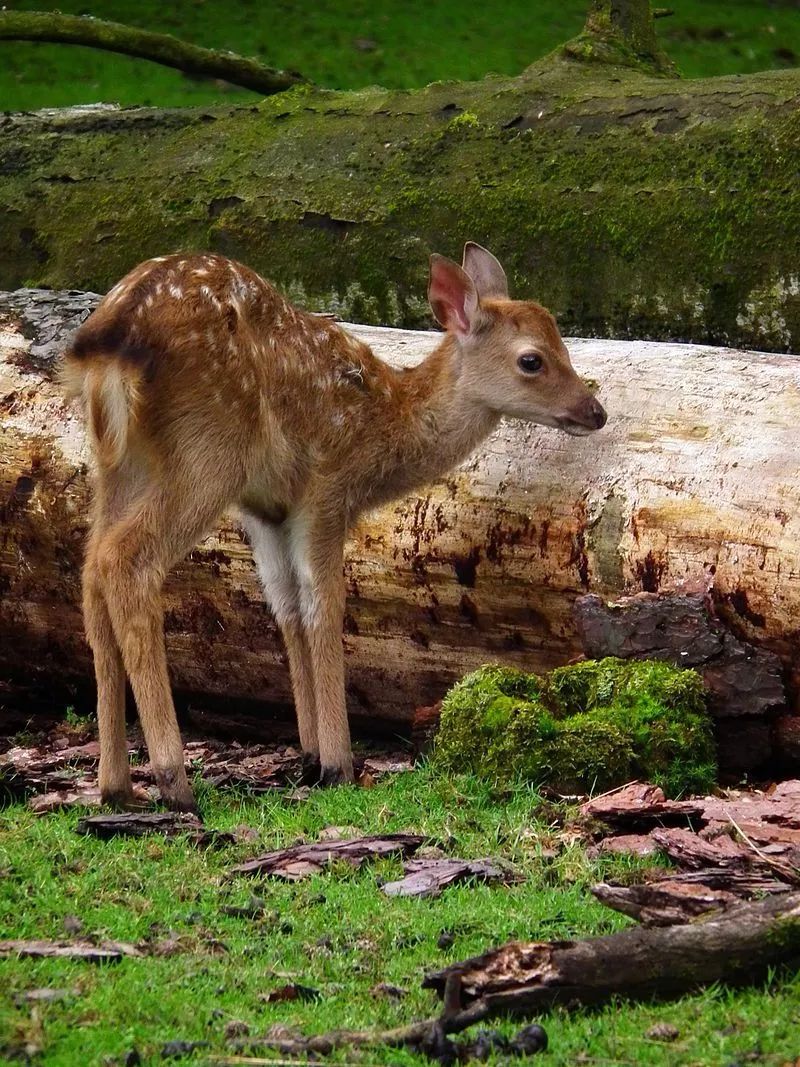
x=696, y=479
x=631, y=204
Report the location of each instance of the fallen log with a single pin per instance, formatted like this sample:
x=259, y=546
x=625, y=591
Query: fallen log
x=631, y=203
x=695, y=479
x=737, y=946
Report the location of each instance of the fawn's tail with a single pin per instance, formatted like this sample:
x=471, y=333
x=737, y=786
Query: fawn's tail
x=99, y=369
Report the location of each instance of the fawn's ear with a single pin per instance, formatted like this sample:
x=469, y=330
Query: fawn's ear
x=452, y=296
x=485, y=270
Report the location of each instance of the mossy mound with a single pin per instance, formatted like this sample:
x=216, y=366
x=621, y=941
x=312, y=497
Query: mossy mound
x=591, y=726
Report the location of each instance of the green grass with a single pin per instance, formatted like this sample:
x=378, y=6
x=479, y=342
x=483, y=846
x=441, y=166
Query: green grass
x=347, y=45
x=337, y=933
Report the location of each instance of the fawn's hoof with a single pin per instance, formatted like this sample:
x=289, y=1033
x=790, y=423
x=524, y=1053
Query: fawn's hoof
x=336, y=775
x=311, y=769
x=131, y=799
x=176, y=793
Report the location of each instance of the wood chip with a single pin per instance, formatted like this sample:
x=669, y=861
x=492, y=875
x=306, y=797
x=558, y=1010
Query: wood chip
x=625, y=844
x=166, y=823
x=95, y=953
x=136, y=824
x=428, y=877
x=300, y=861
x=639, y=803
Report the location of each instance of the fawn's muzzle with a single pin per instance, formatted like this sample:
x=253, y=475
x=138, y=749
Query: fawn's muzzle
x=585, y=418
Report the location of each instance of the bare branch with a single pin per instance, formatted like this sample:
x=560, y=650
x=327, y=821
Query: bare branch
x=162, y=48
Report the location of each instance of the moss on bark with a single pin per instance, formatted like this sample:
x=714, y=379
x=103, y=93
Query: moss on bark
x=632, y=205
x=591, y=726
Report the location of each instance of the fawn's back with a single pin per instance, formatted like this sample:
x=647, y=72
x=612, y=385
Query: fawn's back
x=223, y=378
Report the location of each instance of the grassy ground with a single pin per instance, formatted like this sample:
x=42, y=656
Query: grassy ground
x=337, y=933
x=361, y=42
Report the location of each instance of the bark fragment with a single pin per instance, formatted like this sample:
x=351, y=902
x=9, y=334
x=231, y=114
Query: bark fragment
x=301, y=861
x=102, y=952
x=429, y=877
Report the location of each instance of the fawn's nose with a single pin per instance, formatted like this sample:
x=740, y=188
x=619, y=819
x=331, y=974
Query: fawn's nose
x=590, y=414
x=597, y=414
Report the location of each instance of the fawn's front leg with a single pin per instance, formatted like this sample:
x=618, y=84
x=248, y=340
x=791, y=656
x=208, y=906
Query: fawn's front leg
x=318, y=550
x=271, y=552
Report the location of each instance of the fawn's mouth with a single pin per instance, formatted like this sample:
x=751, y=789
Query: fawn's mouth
x=576, y=429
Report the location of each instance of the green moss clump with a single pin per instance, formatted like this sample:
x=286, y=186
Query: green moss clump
x=590, y=726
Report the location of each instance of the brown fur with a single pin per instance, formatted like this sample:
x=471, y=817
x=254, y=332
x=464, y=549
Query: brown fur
x=204, y=388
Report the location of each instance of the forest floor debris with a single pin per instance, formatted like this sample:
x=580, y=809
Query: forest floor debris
x=733, y=847
x=54, y=773
x=216, y=957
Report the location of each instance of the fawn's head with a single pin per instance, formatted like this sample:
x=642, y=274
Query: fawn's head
x=512, y=358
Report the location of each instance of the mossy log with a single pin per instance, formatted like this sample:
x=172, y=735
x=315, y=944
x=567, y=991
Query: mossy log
x=633, y=205
x=695, y=479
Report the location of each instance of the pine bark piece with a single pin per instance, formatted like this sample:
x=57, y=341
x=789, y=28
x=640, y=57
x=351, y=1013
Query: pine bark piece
x=624, y=844
x=665, y=903
x=168, y=824
x=522, y=529
x=693, y=852
x=103, y=952
x=163, y=48
x=301, y=861
x=737, y=946
x=639, y=803
x=134, y=824
x=429, y=877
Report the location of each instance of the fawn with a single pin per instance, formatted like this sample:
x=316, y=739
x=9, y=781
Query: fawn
x=203, y=388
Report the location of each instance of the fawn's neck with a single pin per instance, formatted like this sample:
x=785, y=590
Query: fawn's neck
x=432, y=424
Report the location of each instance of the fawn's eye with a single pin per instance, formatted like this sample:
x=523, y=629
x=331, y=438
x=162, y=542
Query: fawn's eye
x=530, y=362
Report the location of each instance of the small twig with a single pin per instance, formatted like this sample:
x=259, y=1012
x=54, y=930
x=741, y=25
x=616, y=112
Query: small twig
x=790, y=873
x=257, y=1061
x=426, y=1034
x=162, y=48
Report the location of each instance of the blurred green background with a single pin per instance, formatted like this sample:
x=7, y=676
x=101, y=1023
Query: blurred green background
x=345, y=44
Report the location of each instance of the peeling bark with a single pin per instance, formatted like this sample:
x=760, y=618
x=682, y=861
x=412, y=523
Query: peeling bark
x=695, y=478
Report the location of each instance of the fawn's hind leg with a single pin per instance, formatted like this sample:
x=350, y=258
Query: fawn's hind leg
x=133, y=559
x=282, y=591
x=114, y=774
